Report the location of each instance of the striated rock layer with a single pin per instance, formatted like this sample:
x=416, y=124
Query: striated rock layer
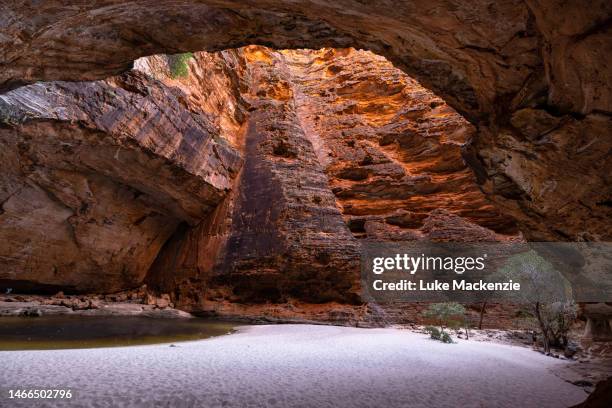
x=279, y=235
x=251, y=179
x=331, y=156
x=96, y=177
x=532, y=76
x=391, y=149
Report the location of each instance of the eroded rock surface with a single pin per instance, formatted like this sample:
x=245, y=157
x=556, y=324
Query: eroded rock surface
x=532, y=76
x=391, y=149
x=96, y=177
x=279, y=235
x=339, y=145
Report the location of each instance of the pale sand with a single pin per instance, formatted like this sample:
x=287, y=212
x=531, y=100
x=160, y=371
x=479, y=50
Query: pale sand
x=295, y=366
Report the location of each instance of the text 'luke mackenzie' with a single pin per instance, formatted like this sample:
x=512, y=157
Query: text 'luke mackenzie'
x=421, y=285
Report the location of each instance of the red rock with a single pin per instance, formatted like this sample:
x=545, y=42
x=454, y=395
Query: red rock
x=489, y=61
x=285, y=230
x=338, y=144
x=96, y=178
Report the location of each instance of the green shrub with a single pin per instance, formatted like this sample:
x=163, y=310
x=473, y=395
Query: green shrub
x=179, y=65
x=546, y=293
x=433, y=332
x=447, y=315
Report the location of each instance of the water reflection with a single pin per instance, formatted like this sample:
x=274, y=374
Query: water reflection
x=58, y=332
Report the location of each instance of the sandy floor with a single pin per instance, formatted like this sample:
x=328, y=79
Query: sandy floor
x=295, y=366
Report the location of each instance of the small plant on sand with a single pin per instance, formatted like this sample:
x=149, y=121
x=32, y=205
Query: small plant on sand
x=446, y=338
x=433, y=332
x=438, y=334
x=179, y=65
x=450, y=315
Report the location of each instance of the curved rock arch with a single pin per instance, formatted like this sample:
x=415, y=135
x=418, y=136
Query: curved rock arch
x=531, y=75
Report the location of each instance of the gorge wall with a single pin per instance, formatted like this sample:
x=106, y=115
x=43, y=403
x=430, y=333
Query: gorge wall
x=532, y=76
x=274, y=142
x=252, y=179
x=96, y=177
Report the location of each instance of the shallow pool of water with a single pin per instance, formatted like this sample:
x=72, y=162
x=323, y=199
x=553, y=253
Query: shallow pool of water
x=59, y=332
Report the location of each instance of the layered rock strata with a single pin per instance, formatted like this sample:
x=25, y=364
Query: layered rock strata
x=391, y=149
x=96, y=177
x=337, y=145
x=279, y=235
x=532, y=76
x=289, y=231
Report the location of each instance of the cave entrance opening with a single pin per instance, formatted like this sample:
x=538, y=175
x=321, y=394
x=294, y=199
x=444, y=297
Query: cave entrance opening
x=270, y=167
x=338, y=145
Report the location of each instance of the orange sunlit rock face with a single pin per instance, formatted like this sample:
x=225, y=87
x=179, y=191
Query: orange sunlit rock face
x=338, y=146
x=391, y=149
x=302, y=155
x=532, y=76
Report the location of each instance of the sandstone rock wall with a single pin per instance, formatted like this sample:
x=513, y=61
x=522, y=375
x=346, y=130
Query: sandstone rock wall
x=96, y=177
x=532, y=76
x=279, y=235
x=392, y=150
x=334, y=141
x=250, y=180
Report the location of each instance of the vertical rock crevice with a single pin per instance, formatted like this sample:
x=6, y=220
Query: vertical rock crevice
x=338, y=145
x=284, y=237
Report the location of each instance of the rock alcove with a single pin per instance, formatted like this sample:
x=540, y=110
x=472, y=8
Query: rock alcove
x=532, y=83
x=250, y=169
